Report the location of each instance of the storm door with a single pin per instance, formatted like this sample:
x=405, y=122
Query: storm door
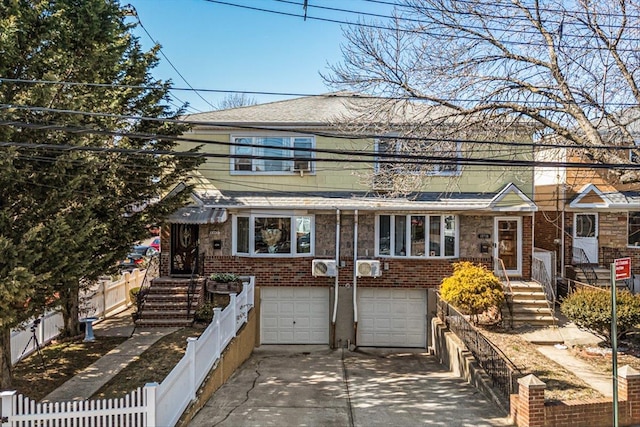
x=585, y=238
x=184, y=249
x=508, y=244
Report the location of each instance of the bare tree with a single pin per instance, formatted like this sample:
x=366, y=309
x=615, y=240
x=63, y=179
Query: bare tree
x=235, y=100
x=571, y=67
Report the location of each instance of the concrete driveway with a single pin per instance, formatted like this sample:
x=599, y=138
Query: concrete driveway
x=316, y=386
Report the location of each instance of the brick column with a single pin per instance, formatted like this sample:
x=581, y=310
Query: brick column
x=530, y=403
x=629, y=390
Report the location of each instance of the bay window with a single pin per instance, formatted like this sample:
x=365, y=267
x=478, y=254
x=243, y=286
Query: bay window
x=273, y=235
x=426, y=236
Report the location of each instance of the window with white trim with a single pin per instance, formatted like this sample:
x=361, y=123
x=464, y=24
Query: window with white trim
x=633, y=229
x=422, y=236
x=272, y=154
x=403, y=164
x=273, y=235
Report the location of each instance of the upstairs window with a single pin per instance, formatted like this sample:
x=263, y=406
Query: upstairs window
x=398, y=157
x=272, y=154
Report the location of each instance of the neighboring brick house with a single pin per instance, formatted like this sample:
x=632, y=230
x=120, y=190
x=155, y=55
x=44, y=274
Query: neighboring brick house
x=336, y=261
x=584, y=216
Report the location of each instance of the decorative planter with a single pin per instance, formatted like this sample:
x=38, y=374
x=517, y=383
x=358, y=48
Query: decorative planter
x=224, y=287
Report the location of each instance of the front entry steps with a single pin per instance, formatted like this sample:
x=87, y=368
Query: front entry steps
x=529, y=305
x=167, y=303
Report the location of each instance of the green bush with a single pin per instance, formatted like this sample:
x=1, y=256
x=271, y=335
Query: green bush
x=472, y=289
x=204, y=313
x=590, y=309
x=224, y=277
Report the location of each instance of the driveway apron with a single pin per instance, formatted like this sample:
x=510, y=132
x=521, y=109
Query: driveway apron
x=316, y=386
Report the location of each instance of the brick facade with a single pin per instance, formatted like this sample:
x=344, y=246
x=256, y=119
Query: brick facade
x=296, y=271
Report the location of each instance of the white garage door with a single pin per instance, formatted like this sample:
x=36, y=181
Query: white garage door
x=392, y=317
x=294, y=315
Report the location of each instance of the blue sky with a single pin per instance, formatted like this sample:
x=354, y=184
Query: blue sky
x=222, y=47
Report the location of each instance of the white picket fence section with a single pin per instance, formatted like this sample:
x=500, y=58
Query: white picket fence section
x=127, y=411
x=155, y=404
x=100, y=300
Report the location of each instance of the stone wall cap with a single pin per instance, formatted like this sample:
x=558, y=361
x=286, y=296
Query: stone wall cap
x=628, y=372
x=531, y=381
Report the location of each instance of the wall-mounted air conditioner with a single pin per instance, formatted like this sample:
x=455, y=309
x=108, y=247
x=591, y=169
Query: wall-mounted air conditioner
x=368, y=268
x=324, y=267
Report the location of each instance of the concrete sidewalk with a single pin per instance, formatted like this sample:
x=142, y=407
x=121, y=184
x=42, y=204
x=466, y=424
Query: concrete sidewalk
x=91, y=379
x=567, y=335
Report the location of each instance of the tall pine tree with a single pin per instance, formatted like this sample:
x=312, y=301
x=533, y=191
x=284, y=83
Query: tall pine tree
x=67, y=216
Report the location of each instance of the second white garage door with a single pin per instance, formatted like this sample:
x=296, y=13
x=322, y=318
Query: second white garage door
x=392, y=317
x=291, y=315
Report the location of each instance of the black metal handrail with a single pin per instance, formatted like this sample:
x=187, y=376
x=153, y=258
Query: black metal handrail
x=152, y=271
x=503, y=372
x=581, y=261
x=192, y=285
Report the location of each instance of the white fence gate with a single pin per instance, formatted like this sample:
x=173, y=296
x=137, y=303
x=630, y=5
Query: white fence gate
x=153, y=405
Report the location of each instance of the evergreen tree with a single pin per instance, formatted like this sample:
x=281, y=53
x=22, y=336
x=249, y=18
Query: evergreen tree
x=67, y=216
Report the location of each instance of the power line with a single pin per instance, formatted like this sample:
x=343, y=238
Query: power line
x=278, y=129
x=463, y=35
x=295, y=94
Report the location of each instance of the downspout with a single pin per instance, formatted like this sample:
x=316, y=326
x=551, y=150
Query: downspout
x=355, y=278
x=336, y=282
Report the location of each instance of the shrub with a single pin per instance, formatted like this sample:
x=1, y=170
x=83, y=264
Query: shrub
x=472, y=289
x=590, y=309
x=204, y=313
x=224, y=277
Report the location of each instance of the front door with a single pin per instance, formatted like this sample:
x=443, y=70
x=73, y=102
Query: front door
x=508, y=244
x=184, y=249
x=585, y=238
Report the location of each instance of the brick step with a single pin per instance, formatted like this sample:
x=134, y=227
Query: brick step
x=166, y=313
x=178, y=290
x=168, y=306
x=163, y=323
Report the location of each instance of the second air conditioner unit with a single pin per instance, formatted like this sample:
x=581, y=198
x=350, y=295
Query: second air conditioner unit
x=324, y=267
x=368, y=268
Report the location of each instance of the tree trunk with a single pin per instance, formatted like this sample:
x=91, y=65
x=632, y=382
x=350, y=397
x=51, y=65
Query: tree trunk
x=70, y=312
x=5, y=359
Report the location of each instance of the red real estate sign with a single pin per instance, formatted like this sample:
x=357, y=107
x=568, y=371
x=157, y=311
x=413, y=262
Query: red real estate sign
x=623, y=268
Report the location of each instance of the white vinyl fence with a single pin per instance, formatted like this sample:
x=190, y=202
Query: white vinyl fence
x=155, y=404
x=100, y=300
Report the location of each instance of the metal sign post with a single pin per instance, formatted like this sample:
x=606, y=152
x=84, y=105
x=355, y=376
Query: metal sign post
x=614, y=344
x=620, y=270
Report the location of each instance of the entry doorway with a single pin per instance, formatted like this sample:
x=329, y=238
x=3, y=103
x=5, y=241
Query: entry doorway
x=508, y=244
x=585, y=238
x=184, y=249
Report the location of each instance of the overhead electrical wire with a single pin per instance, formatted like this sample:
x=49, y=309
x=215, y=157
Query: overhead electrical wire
x=341, y=94
x=397, y=29
x=132, y=10
x=534, y=144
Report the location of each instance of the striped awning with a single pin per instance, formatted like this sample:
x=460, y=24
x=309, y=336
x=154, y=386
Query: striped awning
x=198, y=215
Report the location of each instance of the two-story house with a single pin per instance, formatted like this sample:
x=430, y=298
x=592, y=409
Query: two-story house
x=585, y=216
x=288, y=196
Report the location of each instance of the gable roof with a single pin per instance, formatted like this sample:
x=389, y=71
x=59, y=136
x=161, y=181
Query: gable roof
x=591, y=196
